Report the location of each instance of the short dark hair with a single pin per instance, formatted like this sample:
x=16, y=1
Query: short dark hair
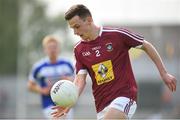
x=79, y=10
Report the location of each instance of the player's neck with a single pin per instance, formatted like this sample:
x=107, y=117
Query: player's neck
x=95, y=32
x=53, y=60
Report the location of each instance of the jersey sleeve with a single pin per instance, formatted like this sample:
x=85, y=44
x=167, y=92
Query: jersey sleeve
x=70, y=64
x=79, y=67
x=72, y=68
x=33, y=74
x=131, y=39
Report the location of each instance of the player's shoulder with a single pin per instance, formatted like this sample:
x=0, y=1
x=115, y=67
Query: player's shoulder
x=121, y=31
x=62, y=59
x=78, y=46
x=41, y=62
x=107, y=29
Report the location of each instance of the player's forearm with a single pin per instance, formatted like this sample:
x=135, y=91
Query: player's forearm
x=34, y=88
x=80, y=83
x=154, y=55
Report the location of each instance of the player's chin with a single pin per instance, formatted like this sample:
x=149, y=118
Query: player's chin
x=83, y=37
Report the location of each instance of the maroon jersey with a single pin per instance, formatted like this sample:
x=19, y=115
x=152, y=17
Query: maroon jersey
x=106, y=59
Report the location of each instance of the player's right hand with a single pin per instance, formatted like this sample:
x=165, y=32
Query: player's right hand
x=59, y=112
x=45, y=90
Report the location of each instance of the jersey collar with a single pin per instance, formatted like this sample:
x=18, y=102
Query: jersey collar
x=100, y=32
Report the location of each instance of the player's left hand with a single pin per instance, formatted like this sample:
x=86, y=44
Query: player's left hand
x=170, y=81
x=59, y=112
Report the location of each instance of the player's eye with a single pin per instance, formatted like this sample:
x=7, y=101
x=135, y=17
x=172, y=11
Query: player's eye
x=76, y=27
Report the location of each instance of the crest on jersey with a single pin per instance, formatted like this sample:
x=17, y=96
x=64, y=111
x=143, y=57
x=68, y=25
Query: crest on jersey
x=109, y=47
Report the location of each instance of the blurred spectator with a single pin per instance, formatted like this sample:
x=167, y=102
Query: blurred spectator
x=47, y=71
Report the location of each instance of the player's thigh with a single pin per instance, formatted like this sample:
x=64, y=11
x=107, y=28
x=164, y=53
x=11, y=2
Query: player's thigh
x=113, y=113
x=121, y=107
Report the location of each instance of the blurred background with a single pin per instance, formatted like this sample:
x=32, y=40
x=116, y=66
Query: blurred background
x=24, y=23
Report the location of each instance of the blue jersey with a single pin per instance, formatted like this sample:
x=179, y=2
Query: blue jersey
x=43, y=71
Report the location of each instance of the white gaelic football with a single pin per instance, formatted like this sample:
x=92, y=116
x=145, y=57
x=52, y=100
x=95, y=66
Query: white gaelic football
x=64, y=93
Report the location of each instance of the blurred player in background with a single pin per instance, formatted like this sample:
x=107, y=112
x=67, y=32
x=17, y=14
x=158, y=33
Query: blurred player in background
x=103, y=53
x=47, y=71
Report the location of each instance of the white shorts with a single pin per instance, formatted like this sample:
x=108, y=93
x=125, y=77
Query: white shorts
x=48, y=110
x=124, y=104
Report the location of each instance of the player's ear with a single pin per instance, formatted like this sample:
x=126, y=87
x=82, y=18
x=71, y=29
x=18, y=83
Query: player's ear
x=44, y=50
x=89, y=19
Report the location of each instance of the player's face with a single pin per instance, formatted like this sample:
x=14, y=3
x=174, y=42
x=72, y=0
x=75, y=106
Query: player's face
x=81, y=27
x=52, y=49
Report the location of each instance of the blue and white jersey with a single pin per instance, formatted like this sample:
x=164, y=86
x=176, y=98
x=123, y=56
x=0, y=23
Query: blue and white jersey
x=43, y=71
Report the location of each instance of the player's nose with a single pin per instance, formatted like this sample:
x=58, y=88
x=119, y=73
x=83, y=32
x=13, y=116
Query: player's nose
x=75, y=32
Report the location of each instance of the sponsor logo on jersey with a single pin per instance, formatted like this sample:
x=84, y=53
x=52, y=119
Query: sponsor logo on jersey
x=109, y=47
x=87, y=53
x=96, y=48
x=103, y=72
